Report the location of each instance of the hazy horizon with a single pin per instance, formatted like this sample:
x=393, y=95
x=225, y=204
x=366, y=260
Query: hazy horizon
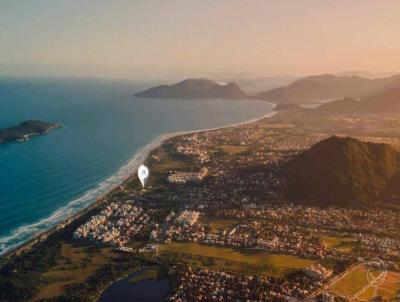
x=180, y=39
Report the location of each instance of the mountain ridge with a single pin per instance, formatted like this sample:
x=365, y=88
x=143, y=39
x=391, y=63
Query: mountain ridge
x=387, y=101
x=195, y=89
x=327, y=86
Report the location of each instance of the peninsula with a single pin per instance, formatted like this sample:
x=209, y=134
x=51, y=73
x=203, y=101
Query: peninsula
x=195, y=89
x=25, y=130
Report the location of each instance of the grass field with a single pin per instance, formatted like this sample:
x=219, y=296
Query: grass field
x=76, y=264
x=233, y=149
x=169, y=161
x=169, y=164
x=220, y=223
x=343, y=244
x=150, y=273
x=239, y=260
x=356, y=287
x=352, y=282
x=387, y=290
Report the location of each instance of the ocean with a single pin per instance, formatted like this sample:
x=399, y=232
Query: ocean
x=49, y=177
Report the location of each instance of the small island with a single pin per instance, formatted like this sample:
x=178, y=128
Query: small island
x=25, y=130
x=195, y=89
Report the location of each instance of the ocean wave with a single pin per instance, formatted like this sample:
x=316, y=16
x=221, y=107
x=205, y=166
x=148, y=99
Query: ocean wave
x=25, y=232
x=28, y=231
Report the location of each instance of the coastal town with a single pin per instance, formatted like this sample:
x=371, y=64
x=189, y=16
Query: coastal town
x=200, y=151
x=214, y=205
x=215, y=216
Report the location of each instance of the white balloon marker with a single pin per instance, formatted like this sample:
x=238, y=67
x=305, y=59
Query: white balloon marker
x=143, y=173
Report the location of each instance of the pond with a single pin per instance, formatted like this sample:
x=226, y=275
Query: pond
x=144, y=291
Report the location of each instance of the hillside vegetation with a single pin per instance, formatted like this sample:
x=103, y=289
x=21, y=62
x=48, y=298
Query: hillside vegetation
x=344, y=171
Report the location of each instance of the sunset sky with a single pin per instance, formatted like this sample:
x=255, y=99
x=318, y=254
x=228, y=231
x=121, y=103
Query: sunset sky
x=151, y=39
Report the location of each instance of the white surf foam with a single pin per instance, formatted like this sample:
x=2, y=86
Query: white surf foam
x=26, y=232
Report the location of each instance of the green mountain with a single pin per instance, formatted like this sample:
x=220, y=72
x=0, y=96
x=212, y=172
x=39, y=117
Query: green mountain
x=195, y=89
x=344, y=171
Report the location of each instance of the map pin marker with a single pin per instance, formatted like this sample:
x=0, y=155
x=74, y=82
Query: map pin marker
x=143, y=174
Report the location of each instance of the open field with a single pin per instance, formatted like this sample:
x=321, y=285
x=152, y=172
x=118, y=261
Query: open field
x=239, y=260
x=343, y=244
x=169, y=161
x=388, y=289
x=76, y=264
x=233, y=149
x=356, y=287
x=149, y=273
x=219, y=223
x=167, y=164
x=352, y=282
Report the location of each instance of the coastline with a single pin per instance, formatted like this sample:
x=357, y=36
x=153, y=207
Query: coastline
x=132, y=164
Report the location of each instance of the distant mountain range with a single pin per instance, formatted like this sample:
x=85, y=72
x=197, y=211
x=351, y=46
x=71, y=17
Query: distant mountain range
x=195, y=89
x=344, y=171
x=253, y=86
x=353, y=94
x=386, y=101
x=327, y=87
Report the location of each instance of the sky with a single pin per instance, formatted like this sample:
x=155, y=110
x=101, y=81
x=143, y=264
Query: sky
x=150, y=39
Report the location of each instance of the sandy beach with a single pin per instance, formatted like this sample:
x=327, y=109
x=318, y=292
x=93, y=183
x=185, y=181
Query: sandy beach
x=128, y=171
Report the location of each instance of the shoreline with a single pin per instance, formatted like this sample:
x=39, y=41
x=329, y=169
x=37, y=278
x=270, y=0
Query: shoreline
x=132, y=165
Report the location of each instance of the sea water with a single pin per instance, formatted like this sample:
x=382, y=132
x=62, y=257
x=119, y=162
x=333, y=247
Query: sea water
x=49, y=177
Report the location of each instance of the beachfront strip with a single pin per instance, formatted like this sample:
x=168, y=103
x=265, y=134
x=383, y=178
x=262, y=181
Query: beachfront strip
x=116, y=225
